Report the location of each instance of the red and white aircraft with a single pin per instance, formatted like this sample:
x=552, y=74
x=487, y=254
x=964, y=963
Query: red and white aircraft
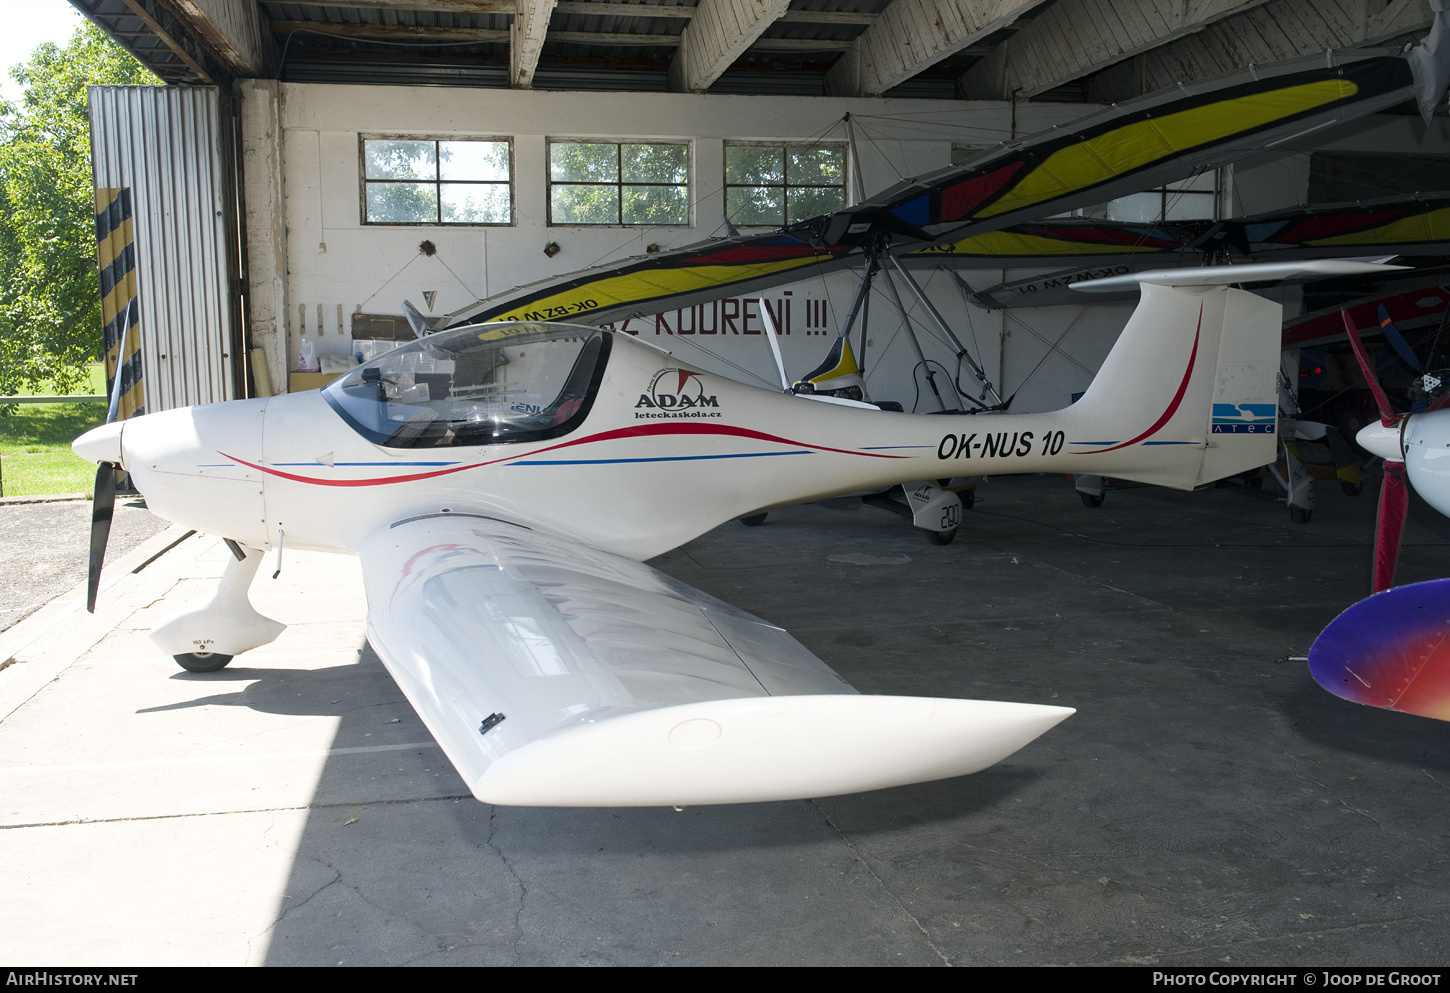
x=504, y=482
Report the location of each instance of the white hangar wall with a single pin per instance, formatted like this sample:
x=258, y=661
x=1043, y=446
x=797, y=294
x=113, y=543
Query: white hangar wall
x=309, y=273
x=313, y=261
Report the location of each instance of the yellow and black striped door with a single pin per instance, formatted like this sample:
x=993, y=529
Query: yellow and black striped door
x=120, y=307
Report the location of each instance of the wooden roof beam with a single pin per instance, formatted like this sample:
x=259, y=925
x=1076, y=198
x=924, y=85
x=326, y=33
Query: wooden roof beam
x=912, y=35
x=235, y=30
x=393, y=32
x=526, y=40
x=1279, y=29
x=848, y=17
x=432, y=6
x=1076, y=37
x=717, y=35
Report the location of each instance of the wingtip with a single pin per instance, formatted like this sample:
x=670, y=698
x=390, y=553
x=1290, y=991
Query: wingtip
x=763, y=748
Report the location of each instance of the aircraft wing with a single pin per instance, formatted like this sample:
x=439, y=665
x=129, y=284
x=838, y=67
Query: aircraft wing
x=1125, y=148
x=556, y=675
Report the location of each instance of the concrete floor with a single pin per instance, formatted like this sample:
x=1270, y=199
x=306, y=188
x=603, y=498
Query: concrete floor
x=1207, y=804
x=45, y=545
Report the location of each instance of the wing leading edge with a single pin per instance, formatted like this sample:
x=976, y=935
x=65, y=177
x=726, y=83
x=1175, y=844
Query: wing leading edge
x=556, y=675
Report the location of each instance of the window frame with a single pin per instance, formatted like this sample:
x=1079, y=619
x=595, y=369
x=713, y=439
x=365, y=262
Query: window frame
x=618, y=184
x=1170, y=197
x=786, y=186
x=438, y=182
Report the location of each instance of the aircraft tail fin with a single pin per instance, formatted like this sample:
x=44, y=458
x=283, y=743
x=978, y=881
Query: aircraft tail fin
x=837, y=375
x=416, y=320
x=1189, y=393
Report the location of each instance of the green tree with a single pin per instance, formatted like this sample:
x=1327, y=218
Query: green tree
x=50, y=312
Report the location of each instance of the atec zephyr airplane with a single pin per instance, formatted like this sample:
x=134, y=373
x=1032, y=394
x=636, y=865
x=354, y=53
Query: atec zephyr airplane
x=505, y=481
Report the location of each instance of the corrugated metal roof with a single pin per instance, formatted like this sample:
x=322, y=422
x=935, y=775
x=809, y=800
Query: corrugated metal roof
x=590, y=45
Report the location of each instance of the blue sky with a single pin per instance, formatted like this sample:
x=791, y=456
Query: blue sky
x=28, y=25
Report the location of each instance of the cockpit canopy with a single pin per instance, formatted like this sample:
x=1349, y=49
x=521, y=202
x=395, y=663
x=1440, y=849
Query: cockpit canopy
x=487, y=384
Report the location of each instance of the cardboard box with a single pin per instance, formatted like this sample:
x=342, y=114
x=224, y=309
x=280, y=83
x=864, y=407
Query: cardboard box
x=298, y=381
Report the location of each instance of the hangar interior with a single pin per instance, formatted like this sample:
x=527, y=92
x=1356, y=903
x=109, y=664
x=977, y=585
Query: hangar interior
x=310, y=88
x=314, y=165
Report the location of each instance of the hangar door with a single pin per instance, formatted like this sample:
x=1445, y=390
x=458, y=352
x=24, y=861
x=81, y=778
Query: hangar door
x=166, y=237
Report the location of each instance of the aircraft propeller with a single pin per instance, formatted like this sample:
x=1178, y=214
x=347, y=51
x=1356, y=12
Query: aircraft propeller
x=103, y=503
x=1385, y=439
x=103, y=507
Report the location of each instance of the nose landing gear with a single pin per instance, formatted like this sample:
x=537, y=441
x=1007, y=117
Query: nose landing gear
x=205, y=636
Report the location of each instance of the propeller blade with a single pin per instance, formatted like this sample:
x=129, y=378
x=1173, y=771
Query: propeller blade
x=1387, y=413
x=1390, y=651
x=1389, y=525
x=1392, y=333
x=103, y=507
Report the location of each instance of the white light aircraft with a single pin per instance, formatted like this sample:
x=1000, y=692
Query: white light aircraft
x=504, y=482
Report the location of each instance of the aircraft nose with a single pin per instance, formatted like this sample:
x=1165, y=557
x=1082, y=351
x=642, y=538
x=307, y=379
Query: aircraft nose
x=1383, y=441
x=102, y=444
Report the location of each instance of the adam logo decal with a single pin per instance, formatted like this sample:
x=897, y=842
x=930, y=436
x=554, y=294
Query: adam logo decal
x=676, y=389
x=678, y=393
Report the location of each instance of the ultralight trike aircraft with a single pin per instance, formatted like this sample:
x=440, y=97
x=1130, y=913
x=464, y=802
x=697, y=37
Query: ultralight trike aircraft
x=505, y=482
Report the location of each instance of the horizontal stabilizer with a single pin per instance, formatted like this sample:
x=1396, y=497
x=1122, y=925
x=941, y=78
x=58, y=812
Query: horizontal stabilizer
x=1391, y=651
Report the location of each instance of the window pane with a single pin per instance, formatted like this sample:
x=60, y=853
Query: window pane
x=656, y=205
x=1200, y=182
x=475, y=203
x=960, y=153
x=583, y=163
x=754, y=166
x=388, y=159
x=815, y=166
x=485, y=160
x=1188, y=206
x=758, y=205
x=807, y=202
x=656, y=164
x=1139, y=207
x=403, y=203
x=584, y=204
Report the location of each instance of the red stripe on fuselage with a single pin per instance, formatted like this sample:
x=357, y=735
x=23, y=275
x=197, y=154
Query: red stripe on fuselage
x=637, y=431
x=1177, y=397
x=645, y=430
x=375, y=481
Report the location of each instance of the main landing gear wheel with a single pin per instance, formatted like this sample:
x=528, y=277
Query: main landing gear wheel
x=941, y=537
x=202, y=661
x=1091, y=499
x=753, y=521
x=1299, y=515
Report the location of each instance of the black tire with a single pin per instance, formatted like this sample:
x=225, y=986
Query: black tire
x=969, y=499
x=753, y=521
x=1299, y=515
x=941, y=537
x=1351, y=489
x=1092, y=499
x=202, y=661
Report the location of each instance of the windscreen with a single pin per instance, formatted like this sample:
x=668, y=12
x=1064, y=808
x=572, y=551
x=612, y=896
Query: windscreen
x=483, y=385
